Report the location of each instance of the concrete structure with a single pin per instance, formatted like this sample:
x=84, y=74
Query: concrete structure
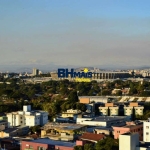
x=109, y=110
x=3, y=123
x=103, y=121
x=103, y=130
x=133, y=108
x=16, y=131
x=35, y=72
x=132, y=127
x=71, y=113
x=90, y=99
x=103, y=111
x=46, y=144
x=62, y=131
x=27, y=117
x=128, y=141
x=146, y=131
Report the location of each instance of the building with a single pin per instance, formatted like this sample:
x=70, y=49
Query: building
x=35, y=72
x=62, y=131
x=103, y=130
x=46, y=144
x=132, y=127
x=130, y=141
x=16, y=131
x=95, y=99
x=133, y=109
x=92, y=137
x=27, y=117
x=71, y=114
x=103, y=121
x=146, y=131
x=109, y=110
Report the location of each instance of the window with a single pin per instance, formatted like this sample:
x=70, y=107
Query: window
x=147, y=127
x=41, y=148
x=147, y=133
x=118, y=131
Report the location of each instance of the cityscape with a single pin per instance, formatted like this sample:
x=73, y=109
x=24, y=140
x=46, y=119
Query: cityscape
x=74, y=75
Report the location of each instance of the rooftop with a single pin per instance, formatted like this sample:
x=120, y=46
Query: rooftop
x=108, y=118
x=53, y=142
x=92, y=136
x=63, y=126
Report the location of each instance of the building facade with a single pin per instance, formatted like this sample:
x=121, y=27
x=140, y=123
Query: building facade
x=27, y=117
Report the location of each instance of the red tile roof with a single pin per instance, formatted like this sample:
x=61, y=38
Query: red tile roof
x=92, y=136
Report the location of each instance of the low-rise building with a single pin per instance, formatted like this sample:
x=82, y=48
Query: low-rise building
x=92, y=137
x=96, y=99
x=71, y=114
x=15, y=131
x=46, y=144
x=62, y=131
x=132, y=127
x=103, y=121
x=27, y=117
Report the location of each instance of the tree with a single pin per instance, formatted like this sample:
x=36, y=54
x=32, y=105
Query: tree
x=35, y=129
x=88, y=147
x=107, y=144
x=73, y=97
x=78, y=147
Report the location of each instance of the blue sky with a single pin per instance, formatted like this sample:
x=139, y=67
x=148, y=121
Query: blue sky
x=104, y=33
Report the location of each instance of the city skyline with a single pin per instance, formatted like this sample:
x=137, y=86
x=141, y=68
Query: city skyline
x=111, y=34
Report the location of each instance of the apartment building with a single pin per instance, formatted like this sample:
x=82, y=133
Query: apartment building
x=146, y=132
x=27, y=117
x=71, y=113
x=109, y=110
x=133, y=108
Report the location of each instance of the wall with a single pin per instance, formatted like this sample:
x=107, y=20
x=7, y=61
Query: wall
x=84, y=100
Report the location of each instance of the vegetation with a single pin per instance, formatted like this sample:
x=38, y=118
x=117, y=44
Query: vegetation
x=58, y=96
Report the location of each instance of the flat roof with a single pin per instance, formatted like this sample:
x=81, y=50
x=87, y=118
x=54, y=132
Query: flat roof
x=63, y=126
x=53, y=142
x=107, y=118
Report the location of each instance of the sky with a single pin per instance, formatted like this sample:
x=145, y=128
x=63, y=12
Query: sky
x=57, y=33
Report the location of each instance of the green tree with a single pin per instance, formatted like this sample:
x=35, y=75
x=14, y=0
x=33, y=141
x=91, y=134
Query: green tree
x=78, y=147
x=107, y=144
x=88, y=147
x=73, y=97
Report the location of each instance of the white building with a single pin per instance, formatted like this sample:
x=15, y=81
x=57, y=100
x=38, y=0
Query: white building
x=35, y=72
x=103, y=121
x=130, y=141
x=146, y=132
x=27, y=117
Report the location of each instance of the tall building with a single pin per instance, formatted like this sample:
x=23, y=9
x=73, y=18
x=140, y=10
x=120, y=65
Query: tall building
x=27, y=117
x=35, y=72
x=146, y=132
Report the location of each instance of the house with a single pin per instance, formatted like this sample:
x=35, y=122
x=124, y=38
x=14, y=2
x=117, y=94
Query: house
x=92, y=137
